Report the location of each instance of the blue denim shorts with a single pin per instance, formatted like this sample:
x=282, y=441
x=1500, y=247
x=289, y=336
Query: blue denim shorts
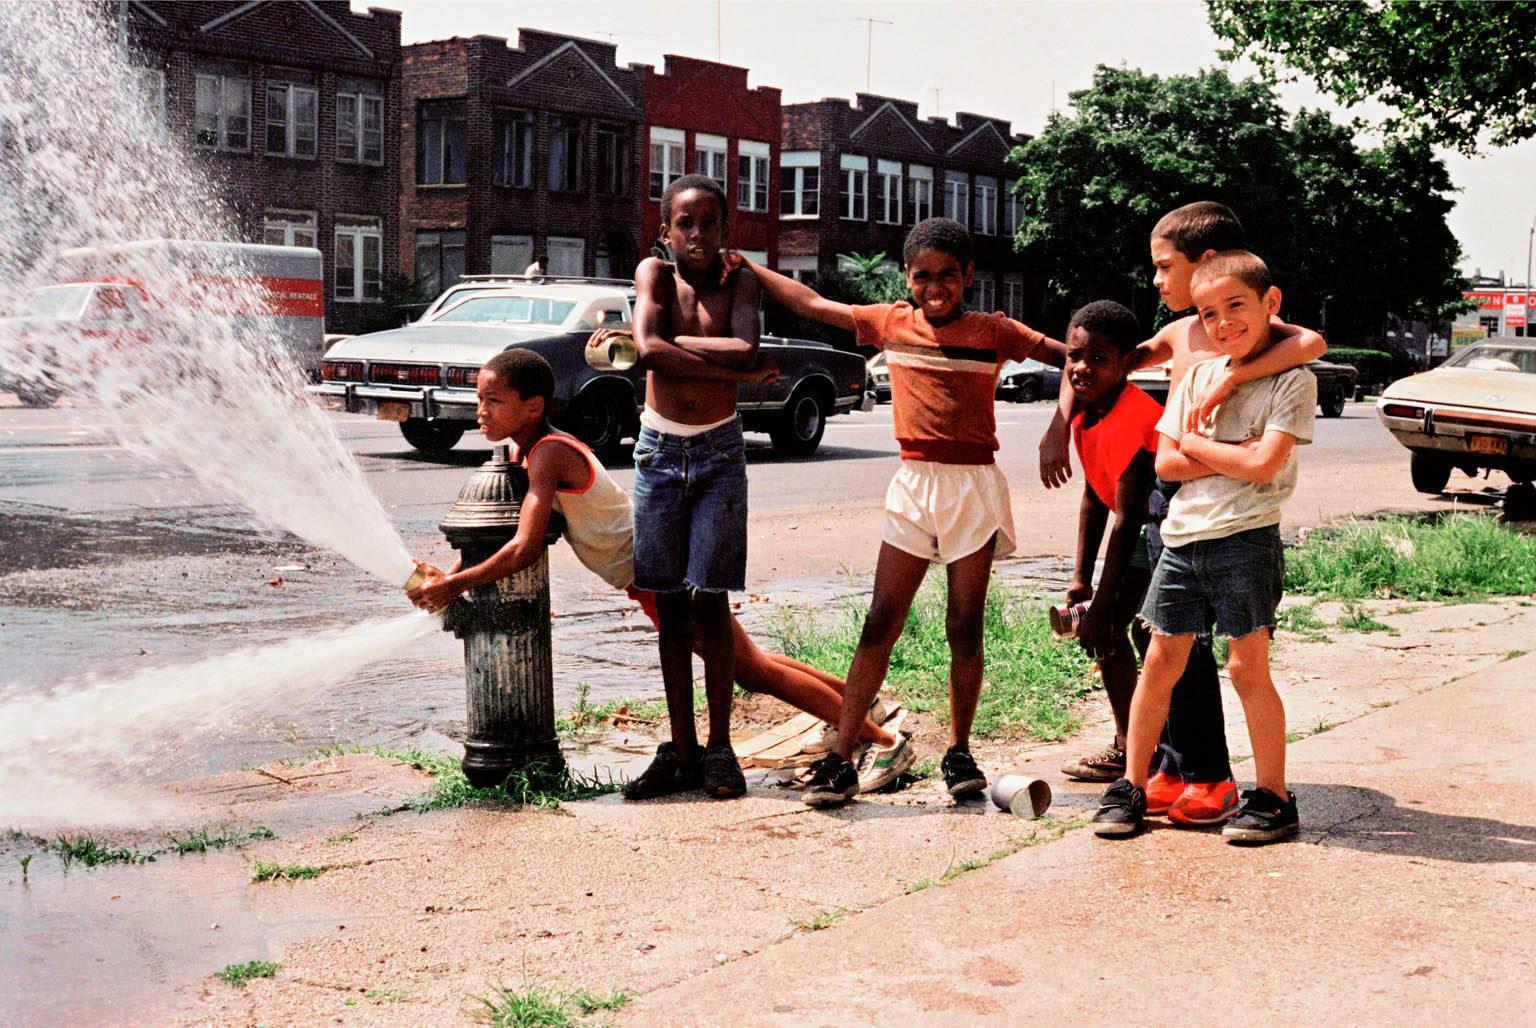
x=1235, y=581
x=691, y=510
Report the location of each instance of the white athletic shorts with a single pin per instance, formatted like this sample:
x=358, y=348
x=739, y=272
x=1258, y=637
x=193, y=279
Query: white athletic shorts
x=942, y=512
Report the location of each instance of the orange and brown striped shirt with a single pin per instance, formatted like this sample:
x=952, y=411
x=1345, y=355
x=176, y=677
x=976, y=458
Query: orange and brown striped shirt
x=944, y=378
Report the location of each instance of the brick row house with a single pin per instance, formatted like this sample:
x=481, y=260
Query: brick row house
x=296, y=108
x=854, y=178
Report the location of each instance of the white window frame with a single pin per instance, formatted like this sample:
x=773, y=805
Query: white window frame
x=356, y=141
x=957, y=196
x=667, y=159
x=752, y=175
x=358, y=230
x=295, y=228
x=572, y=245
x=800, y=268
x=1013, y=207
x=1013, y=296
x=294, y=131
x=795, y=166
x=225, y=89
x=920, y=192
x=984, y=291
x=515, y=254
x=888, y=196
x=853, y=182
x=984, y=206
x=709, y=156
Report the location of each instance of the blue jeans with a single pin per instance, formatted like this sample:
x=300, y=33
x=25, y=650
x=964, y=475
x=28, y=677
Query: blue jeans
x=691, y=510
x=1235, y=581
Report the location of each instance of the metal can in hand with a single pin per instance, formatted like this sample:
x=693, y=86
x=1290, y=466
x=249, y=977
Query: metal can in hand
x=1066, y=617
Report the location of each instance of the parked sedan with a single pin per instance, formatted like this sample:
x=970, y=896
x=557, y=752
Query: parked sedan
x=1475, y=411
x=1028, y=381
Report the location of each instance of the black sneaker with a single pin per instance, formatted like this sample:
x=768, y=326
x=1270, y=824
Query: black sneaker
x=722, y=773
x=834, y=781
x=667, y=774
x=1263, y=817
x=961, y=775
x=1121, y=811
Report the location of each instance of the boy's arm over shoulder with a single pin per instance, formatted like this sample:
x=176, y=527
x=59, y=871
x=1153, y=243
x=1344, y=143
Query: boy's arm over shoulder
x=1291, y=346
x=1159, y=349
x=802, y=299
x=1171, y=464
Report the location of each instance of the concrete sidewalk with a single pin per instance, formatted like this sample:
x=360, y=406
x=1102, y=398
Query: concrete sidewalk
x=1410, y=898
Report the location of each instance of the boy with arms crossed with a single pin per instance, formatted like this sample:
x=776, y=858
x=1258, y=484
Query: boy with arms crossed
x=948, y=502
x=1223, y=558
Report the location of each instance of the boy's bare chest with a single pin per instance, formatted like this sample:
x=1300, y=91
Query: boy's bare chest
x=701, y=314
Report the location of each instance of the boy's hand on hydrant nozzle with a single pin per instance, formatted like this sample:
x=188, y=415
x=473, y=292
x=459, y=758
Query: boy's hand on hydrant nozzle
x=435, y=593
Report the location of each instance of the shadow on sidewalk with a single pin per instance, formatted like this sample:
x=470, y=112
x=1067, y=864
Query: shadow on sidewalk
x=1371, y=821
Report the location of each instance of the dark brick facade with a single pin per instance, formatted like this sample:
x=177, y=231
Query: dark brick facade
x=549, y=80
x=878, y=128
x=703, y=97
x=320, y=46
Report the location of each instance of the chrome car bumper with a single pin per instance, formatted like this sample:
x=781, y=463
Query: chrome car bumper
x=1452, y=429
x=394, y=404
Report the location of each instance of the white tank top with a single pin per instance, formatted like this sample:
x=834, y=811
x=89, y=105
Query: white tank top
x=599, y=520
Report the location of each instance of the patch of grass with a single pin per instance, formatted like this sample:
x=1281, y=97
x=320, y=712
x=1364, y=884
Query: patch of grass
x=272, y=871
x=1221, y=647
x=1358, y=619
x=586, y=716
x=88, y=851
x=1463, y=556
x=534, y=786
x=816, y=922
x=1032, y=679
x=1513, y=654
x=238, y=974
x=386, y=995
x=924, y=769
x=25, y=862
x=1047, y=829
x=200, y=841
x=1379, y=704
x=536, y=1006
x=1302, y=620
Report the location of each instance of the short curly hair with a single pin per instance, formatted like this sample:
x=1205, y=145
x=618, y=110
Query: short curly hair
x=523, y=371
x=682, y=184
x=945, y=235
x=1111, y=320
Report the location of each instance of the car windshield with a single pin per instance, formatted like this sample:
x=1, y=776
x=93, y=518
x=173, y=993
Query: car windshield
x=521, y=310
x=1491, y=357
x=57, y=301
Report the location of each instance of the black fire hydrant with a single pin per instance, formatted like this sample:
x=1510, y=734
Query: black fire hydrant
x=508, y=669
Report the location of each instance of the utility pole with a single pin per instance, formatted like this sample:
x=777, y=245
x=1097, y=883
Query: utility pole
x=717, y=31
x=869, y=44
x=1529, y=239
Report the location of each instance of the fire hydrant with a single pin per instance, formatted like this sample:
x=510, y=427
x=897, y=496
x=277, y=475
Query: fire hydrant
x=508, y=669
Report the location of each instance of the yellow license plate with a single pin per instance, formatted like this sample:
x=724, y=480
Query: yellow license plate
x=1492, y=445
x=389, y=410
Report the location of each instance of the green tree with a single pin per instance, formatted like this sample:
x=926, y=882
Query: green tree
x=1454, y=72
x=872, y=278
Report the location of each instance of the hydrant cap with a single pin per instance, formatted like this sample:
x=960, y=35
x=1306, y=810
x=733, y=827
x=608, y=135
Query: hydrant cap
x=490, y=501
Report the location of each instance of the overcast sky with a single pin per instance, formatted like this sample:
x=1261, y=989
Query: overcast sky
x=1000, y=58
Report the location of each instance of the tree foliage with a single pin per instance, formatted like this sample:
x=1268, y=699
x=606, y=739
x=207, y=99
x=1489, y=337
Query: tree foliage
x=1455, y=72
x=1350, y=234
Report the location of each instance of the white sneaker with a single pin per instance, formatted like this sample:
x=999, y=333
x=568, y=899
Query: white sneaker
x=882, y=765
x=880, y=711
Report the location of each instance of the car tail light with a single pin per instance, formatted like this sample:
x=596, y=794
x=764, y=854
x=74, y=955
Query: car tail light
x=1403, y=410
x=406, y=374
x=341, y=371
x=461, y=376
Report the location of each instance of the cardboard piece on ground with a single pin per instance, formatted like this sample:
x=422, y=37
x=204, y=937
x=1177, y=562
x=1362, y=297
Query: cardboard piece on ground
x=779, y=743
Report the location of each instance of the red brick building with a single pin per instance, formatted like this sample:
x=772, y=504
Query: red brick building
x=856, y=178
x=701, y=118
x=519, y=154
x=296, y=107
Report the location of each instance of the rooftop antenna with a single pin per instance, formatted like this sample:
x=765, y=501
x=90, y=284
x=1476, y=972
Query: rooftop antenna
x=938, y=106
x=869, y=43
x=718, y=58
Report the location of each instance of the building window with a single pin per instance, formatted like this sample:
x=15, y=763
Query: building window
x=359, y=258
x=985, y=210
x=984, y=290
x=799, y=184
x=751, y=176
x=360, y=128
x=956, y=197
x=514, y=150
x=439, y=260
x=888, y=192
x=709, y=157
x=440, y=144
x=151, y=83
x=666, y=159
x=1013, y=296
x=612, y=160
x=511, y=255
x=855, y=187
x=223, y=119
x=564, y=154
x=1013, y=208
x=293, y=115
x=920, y=192
x=567, y=256
x=799, y=268
x=288, y=228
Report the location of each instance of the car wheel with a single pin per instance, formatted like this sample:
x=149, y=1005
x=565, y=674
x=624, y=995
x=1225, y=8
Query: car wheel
x=1332, y=402
x=799, y=428
x=1430, y=472
x=36, y=394
x=433, y=438
x=1029, y=391
x=597, y=417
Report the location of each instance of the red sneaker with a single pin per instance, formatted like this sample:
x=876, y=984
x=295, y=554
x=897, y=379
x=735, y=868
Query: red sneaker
x=1162, y=792
x=1204, y=803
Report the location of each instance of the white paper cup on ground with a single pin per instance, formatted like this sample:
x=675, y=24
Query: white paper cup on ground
x=1022, y=795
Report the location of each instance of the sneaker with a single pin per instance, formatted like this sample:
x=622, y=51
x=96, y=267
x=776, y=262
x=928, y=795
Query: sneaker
x=961, y=775
x=880, y=711
x=1107, y=765
x=1263, y=817
x=882, y=765
x=1163, y=791
x=722, y=773
x=667, y=774
x=1121, y=810
x=1202, y=803
x=833, y=782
